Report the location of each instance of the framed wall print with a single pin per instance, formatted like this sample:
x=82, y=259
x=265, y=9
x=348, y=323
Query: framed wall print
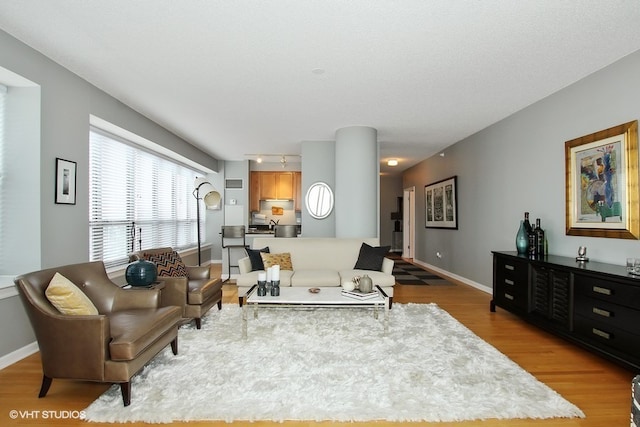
x=441, y=204
x=602, y=183
x=65, y=182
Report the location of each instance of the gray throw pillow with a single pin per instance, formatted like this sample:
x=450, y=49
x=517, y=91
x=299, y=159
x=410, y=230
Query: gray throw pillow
x=371, y=257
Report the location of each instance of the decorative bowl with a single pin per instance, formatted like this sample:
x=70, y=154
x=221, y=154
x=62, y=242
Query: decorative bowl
x=314, y=290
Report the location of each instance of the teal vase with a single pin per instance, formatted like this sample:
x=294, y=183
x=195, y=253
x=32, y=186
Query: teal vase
x=522, y=239
x=141, y=273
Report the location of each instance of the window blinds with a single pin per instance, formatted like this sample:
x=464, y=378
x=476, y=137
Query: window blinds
x=138, y=199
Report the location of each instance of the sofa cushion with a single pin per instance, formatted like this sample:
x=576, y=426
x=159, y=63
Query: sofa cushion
x=255, y=258
x=133, y=331
x=68, y=298
x=315, y=278
x=377, y=277
x=169, y=264
x=249, y=279
x=281, y=259
x=370, y=257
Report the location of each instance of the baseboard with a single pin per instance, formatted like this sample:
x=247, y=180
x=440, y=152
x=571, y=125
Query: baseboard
x=455, y=277
x=19, y=354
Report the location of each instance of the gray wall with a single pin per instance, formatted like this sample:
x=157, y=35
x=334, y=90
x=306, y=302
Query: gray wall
x=67, y=101
x=518, y=165
x=318, y=164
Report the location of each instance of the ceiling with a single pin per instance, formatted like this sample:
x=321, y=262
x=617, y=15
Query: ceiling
x=239, y=77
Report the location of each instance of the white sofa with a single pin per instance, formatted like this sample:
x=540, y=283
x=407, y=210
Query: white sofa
x=316, y=262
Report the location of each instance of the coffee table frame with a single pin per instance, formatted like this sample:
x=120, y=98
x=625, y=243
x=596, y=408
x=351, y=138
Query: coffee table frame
x=299, y=297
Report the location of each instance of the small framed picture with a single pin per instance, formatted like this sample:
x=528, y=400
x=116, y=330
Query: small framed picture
x=65, y=182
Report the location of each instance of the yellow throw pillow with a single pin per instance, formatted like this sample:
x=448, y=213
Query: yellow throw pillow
x=68, y=298
x=283, y=260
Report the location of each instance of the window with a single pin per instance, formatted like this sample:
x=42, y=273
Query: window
x=138, y=199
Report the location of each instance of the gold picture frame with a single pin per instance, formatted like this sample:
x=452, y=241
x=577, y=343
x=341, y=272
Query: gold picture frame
x=602, y=191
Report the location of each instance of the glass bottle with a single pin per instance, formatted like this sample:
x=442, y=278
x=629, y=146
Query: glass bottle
x=522, y=239
x=527, y=224
x=539, y=233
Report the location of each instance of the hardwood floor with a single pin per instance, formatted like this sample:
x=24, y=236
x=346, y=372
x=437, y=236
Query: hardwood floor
x=600, y=388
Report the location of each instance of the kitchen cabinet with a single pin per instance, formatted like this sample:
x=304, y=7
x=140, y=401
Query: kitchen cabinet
x=297, y=184
x=254, y=192
x=284, y=185
x=594, y=305
x=267, y=185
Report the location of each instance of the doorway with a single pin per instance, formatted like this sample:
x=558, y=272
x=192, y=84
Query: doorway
x=408, y=222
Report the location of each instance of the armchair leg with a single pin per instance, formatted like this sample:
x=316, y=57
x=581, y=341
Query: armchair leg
x=220, y=305
x=240, y=301
x=125, y=389
x=44, y=388
x=174, y=346
x=198, y=322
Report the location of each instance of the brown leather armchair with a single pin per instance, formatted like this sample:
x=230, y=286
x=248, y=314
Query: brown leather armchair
x=195, y=294
x=112, y=346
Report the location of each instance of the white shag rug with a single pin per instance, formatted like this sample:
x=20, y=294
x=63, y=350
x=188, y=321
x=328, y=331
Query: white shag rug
x=332, y=364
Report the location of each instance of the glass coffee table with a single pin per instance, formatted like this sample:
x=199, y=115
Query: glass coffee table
x=299, y=297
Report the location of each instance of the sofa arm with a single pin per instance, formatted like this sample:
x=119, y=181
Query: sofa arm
x=199, y=272
x=244, y=265
x=73, y=346
x=387, y=265
x=175, y=291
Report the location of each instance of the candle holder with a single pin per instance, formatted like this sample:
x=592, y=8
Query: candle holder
x=262, y=288
x=275, y=288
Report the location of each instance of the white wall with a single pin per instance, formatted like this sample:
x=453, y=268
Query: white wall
x=518, y=165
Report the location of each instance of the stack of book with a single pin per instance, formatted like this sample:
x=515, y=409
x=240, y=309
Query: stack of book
x=359, y=295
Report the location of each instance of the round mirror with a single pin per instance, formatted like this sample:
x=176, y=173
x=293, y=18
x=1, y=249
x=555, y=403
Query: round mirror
x=319, y=200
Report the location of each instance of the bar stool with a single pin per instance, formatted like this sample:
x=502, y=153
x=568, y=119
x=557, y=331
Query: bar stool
x=286, y=231
x=233, y=233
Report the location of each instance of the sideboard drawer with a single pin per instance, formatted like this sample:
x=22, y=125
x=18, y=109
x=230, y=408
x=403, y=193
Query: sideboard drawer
x=606, y=313
x=608, y=290
x=602, y=333
x=511, y=283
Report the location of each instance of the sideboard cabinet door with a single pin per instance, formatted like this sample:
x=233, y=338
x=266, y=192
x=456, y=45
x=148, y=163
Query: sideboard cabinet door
x=550, y=295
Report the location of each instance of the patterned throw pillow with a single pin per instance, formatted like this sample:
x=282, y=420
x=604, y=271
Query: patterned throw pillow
x=283, y=260
x=169, y=264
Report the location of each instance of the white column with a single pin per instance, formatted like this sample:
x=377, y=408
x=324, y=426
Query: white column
x=357, y=182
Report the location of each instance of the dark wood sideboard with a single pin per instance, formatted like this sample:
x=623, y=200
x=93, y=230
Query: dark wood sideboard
x=592, y=304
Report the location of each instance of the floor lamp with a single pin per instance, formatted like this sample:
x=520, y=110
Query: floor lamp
x=206, y=192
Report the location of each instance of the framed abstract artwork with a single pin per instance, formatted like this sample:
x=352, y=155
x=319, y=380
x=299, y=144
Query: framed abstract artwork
x=602, y=191
x=65, y=182
x=441, y=204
